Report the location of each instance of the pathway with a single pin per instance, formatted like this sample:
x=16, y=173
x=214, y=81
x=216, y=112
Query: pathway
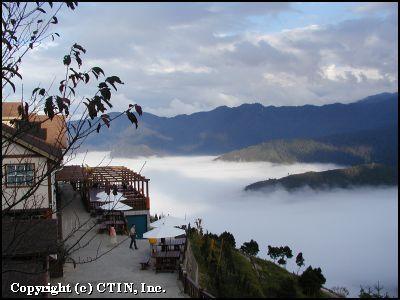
x=120, y=265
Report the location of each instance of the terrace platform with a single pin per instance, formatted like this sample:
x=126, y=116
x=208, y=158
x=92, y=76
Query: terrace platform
x=120, y=264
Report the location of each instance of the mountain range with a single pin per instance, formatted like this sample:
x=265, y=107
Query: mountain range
x=227, y=129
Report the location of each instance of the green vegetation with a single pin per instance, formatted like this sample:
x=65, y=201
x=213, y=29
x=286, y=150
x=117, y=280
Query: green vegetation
x=367, y=175
x=375, y=292
x=377, y=145
x=298, y=150
x=311, y=281
x=280, y=253
x=250, y=248
x=225, y=271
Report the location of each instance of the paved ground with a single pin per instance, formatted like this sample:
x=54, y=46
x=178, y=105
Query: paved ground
x=120, y=265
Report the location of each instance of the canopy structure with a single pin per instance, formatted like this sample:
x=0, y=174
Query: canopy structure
x=163, y=232
x=169, y=221
x=118, y=175
x=103, y=197
x=89, y=180
x=116, y=206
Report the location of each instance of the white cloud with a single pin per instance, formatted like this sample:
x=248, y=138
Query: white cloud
x=164, y=66
x=175, y=106
x=181, y=58
x=333, y=72
x=282, y=79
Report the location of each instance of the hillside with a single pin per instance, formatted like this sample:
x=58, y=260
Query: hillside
x=379, y=146
x=226, y=129
x=362, y=175
x=239, y=275
x=292, y=151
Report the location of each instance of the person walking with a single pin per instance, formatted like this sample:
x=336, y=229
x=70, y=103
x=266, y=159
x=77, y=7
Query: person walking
x=113, y=236
x=133, y=236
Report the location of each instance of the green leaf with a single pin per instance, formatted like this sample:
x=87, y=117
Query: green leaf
x=106, y=93
x=138, y=109
x=66, y=100
x=132, y=118
x=60, y=103
x=72, y=90
x=49, y=108
x=97, y=71
x=103, y=85
x=67, y=60
x=5, y=41
x=78, y=59
x=35, y=90
x=79, y=47
x=105, y=119
x=114, y=79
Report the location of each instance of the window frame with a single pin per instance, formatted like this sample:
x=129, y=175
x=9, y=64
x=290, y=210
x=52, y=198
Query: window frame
x=15, y=185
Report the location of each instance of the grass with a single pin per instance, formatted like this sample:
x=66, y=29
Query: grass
x=252, y=277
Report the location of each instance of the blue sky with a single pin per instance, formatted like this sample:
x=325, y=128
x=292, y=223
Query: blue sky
x=186, y=57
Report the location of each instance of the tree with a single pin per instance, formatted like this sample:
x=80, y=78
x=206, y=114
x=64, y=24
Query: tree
x=228, y=238
x=199, y=226
x=250, y=248
x=273, y=252
x=24, y=27
x=280, y=253
x=285, y=252
x=311, y=281
x=299, y=261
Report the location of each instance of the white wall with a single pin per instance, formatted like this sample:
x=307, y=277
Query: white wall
x=40, y=198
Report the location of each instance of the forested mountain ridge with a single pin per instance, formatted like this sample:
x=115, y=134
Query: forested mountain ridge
x=360, y=147
x=226, y=129
x=356, y=176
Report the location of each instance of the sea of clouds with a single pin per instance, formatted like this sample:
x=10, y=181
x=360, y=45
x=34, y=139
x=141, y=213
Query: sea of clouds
x=351, y=234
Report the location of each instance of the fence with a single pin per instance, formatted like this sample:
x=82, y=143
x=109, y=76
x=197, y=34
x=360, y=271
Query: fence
x=189, y=275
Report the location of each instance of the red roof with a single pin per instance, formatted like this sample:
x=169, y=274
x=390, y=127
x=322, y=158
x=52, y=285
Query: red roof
x=56, y=129
x=31, y=142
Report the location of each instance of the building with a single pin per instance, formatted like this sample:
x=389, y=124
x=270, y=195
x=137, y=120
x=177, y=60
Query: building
x=32, y=152
x=26, y=246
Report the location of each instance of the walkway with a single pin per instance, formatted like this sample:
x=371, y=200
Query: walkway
x=120, y=265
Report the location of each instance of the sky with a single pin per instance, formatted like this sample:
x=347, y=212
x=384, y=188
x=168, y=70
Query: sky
x=180, y=58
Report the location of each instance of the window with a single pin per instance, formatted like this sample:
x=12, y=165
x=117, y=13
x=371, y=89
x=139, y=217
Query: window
x=20, y=175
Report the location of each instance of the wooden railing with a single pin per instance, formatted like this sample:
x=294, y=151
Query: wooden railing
x=136, y=203
x=191, y=288
x=189, y=279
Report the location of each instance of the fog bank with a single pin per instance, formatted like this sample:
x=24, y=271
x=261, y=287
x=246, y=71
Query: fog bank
x=351, y=234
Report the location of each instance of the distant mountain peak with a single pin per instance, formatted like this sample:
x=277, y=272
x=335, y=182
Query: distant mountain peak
x=378, y=98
